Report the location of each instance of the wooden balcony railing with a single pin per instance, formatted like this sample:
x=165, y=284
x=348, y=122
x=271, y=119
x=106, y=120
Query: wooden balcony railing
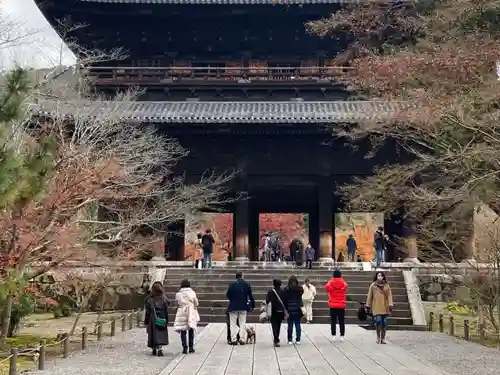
x=208, y=73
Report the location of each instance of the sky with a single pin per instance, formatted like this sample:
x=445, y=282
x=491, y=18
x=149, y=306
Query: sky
x=40, y=46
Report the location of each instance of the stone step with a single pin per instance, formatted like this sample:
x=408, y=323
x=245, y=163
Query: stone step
x=211, y=286
x=319, y=319
x=318, y=310
x=219, y=299
x=275, y=271
x=257, y=276
x=264, y=287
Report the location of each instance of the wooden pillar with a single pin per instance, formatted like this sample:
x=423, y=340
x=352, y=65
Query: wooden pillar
x=241, y=219
x=174, y=244
x=325, y=216
x=410, y=240
x=253, y=234
x=314, y=231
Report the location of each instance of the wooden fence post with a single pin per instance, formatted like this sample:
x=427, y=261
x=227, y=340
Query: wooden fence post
x=66, y=347
x=130, y=320
x=124, y=322
x=466, y=330
x=452, y=326
x=482, y=333
x=84, y=338
x=99, y=332
x=41, y=356
x=441, y=323
x=13, y=362
x=138, y=318
x=113, y=328
x=431, y=321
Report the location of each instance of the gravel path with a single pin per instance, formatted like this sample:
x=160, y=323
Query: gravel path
x=455, y=356
x=125, y=354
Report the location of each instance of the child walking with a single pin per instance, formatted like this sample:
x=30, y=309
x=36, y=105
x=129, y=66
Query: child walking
x=186, y=317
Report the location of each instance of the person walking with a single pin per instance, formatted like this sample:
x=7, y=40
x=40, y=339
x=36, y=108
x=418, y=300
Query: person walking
x=293, y=305
x=241, y=302
x=310, y=252
x=275, y=297
x=207, y=244
x=156, y=319
x=337, y=290
x=379, y=302
x=308, y=299
x=186, y=317
x=352, y=247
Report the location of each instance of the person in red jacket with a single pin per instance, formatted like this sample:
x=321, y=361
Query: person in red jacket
x=337, y=290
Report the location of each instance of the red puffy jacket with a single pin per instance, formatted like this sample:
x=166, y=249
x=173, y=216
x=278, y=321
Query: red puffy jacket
x=337, y=290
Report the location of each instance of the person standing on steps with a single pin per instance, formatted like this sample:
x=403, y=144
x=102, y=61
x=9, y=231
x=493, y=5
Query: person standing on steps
x=379, y=302
x=156, y=319
x=207, y=244
x=310, y=252
x=275, y=297
x=186, y=317
x=308, y=299
x=293, y=305
x=352, y=247
x=337, y=290
x=241, y=302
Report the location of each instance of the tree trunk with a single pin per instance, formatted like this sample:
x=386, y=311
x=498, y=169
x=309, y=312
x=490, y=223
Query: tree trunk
x=7, y=312
x=75, y=323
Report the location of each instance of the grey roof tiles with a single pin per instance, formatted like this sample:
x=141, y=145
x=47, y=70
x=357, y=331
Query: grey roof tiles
x=231, y=112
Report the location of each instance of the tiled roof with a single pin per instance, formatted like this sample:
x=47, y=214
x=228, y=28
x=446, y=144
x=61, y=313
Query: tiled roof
x=231, y=1
x=231, y=112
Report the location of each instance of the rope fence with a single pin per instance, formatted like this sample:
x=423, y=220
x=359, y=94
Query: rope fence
x=462, y=328
x=128, y=321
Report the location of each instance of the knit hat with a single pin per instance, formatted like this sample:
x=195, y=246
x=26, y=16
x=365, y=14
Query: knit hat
x=337, y=274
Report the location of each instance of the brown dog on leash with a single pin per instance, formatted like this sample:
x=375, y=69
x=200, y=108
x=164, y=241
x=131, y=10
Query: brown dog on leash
x=251, y=335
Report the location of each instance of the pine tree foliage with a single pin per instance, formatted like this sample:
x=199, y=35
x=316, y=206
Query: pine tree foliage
x=24, y=163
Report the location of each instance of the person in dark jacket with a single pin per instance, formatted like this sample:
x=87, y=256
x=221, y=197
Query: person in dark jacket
x=352, y=247
x=241, y=302
x=276, y=297
x=310, y=252
x=293, y=304
x=156, y=319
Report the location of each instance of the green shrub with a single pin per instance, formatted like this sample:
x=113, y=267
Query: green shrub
x=66, y=310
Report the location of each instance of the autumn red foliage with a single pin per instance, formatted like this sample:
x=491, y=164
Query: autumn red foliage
x=287, y=226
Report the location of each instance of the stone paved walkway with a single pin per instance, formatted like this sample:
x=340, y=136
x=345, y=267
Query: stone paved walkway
x=317, y=355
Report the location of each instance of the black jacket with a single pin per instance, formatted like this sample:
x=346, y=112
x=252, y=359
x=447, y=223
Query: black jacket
x=293, y=299
x=276, y=305
x=240, y=296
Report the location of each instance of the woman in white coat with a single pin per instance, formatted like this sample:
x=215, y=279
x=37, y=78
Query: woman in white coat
x=186, y=317
x=308, y=299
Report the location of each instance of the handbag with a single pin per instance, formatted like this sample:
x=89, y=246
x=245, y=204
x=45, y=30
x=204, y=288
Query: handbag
x=159, y=322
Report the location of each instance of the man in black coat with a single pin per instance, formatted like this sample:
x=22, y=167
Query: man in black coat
x=241, y=302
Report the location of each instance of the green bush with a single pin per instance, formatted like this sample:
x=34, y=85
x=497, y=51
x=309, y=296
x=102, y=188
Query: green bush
x=66, y=310
x=57, y=313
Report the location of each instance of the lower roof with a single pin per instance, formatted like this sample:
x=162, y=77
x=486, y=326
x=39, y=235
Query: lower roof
x=229, y=112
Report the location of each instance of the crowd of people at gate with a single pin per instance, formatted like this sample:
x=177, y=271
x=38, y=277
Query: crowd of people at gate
x=291, y=303
x=299, y=255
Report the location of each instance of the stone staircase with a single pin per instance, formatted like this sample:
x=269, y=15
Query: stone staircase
x=211, y=286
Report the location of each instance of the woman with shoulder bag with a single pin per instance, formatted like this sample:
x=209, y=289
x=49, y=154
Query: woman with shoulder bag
x=276, y=310
x=156, y=319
